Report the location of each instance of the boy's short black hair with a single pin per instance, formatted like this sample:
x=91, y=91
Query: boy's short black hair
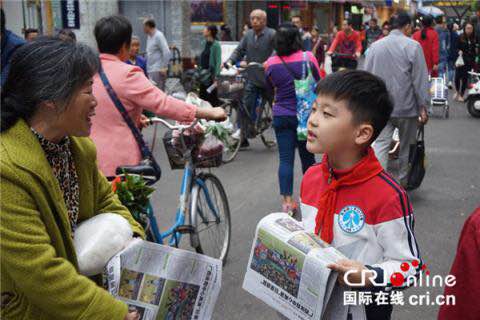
x=365, y=94
x=112, y=33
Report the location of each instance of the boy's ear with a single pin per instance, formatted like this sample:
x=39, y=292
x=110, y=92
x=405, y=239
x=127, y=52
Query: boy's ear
x=363, y=134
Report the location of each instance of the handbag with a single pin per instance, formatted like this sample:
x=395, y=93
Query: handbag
x=416, y=162
x=305, y=93
x=459, y=62
x=148, y=162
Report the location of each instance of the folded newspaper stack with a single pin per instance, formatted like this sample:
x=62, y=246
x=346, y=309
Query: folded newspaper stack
x=288, y=268
x=162, y=282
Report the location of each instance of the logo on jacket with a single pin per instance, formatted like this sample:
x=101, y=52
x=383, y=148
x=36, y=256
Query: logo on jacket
x=351, y=219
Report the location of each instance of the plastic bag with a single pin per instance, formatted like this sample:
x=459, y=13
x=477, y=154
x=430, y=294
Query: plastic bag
x=211, y=147
x=192, y=98
x=98, y=239
x=459, y=62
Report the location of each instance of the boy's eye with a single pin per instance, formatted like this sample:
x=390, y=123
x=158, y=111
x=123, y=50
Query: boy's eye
x=326, y=114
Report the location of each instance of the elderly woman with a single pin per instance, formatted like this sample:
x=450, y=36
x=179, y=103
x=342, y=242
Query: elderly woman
x=113, y=137
x=49, y=184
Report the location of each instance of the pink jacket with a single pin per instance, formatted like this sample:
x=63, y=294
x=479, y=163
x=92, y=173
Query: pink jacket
x=115, y=143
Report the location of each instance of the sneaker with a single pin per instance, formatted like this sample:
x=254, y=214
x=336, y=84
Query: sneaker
x=290, y=208
x=236, y=135
x=450, y=85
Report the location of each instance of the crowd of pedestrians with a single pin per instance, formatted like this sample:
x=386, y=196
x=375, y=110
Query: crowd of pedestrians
x=51, y=103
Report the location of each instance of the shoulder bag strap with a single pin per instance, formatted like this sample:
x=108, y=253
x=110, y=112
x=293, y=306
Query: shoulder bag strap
x=116, y=101
x=288, y=68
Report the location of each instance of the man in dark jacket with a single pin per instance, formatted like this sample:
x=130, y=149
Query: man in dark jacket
x=255, y=46
x=10, y=43
x=373, y=32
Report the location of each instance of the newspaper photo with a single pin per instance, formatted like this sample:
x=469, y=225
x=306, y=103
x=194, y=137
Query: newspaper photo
x=162, y=282
x=288, y=270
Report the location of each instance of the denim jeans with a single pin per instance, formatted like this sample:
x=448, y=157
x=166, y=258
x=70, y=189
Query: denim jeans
x=451, y=71
x=286, y=132
x=442, y=69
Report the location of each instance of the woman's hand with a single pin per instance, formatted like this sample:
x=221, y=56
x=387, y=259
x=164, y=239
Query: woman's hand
x=217, y=114
x=132, y=316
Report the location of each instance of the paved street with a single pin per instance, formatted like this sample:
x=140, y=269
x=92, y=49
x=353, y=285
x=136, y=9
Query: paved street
x=450, y=191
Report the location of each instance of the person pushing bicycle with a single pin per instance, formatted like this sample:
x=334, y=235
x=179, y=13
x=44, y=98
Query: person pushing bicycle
x=348, y=45
x=256, y=46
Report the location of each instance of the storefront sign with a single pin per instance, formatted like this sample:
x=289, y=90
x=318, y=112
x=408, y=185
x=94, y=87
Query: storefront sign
x=70, y=14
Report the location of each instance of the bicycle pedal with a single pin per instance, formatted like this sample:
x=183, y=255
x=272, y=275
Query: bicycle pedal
x=185, y=229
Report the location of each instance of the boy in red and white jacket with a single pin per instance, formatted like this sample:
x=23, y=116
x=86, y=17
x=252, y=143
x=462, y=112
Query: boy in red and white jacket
x=348, y=197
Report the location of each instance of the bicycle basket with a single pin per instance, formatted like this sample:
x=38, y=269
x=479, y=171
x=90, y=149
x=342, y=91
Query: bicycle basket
x=176, y=157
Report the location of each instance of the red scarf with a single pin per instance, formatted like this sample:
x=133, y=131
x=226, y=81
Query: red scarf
x=364, y=170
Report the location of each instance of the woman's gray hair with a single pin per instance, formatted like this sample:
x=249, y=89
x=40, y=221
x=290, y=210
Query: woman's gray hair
x=45, y=70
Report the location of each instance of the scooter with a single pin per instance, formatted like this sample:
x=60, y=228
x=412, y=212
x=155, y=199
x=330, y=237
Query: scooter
x=473, y=95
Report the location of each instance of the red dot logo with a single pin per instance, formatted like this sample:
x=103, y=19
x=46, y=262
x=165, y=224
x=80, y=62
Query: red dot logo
x=404, y=267
x=415, y=263
x=397, y=279
x=424, y=267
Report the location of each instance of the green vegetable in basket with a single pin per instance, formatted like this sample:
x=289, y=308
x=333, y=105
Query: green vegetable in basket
x=134, y=194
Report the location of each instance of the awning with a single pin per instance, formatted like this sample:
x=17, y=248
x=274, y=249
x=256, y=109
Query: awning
x=431, y=10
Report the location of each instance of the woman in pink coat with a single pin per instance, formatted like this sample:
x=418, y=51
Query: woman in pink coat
x=116, y=145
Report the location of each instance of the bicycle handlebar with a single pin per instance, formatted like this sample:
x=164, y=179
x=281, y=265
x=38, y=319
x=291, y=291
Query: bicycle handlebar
x=179, y=127
x=250, y=65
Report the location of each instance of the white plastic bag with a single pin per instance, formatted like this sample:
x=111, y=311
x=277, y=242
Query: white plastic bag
x=192, y=98
x=459, y=62
x=98, y=239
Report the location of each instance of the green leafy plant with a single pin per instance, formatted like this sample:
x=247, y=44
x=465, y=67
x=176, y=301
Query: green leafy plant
x=134, y=194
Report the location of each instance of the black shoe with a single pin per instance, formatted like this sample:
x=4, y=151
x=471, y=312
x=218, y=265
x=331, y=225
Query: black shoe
x=245, y=144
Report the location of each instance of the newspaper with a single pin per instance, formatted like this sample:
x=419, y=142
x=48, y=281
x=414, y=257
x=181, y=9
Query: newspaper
x=288, y=270
x=162, y=282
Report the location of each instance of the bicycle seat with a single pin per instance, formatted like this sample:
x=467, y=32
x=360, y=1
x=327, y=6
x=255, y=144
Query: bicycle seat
x=147, y=171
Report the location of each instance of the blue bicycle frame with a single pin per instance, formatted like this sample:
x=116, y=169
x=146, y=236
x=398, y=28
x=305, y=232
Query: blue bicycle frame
x=185, y=190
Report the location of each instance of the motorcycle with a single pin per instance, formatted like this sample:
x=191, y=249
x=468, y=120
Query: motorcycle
x=473, y=95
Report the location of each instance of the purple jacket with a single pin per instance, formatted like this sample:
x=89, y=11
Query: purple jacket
x=280, y=80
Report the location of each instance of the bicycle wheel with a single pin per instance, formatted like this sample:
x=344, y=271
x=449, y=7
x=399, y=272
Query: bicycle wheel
x=232, y=145
x=210, y=217
x=267, y=134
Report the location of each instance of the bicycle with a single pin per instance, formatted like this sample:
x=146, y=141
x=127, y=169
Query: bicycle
x=203, y=203
x=248, y=125
x=342, y=61
x=230, y=93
